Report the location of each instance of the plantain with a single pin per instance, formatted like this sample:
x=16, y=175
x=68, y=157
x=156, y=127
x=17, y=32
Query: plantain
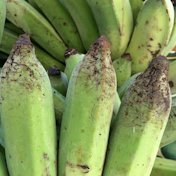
x=84, y=20
x=140, y=124
x=114, y=20
x=72, y=58
x=47, y=61
x=60, y=18
x=87, y=115
x=26, y=112
x=33, y=23
x=157, y=19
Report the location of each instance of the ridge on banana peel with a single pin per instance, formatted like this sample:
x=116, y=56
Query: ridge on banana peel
x=142, y=118
x=26, y=112
x=156, y=17
x=87, y=116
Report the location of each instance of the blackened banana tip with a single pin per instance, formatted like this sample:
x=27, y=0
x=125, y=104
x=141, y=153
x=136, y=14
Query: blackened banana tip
x=24, y=39
x=69, y=52
x=53, y=71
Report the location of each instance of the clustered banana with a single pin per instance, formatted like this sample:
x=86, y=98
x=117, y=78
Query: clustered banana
x=94, y=91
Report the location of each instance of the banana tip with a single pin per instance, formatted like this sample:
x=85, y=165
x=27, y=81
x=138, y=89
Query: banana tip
x=24, y=39
x=69, y=52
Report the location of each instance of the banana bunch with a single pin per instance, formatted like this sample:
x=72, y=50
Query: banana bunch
x=87, y=87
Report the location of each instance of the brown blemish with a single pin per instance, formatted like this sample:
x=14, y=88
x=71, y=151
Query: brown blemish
x=85, y=168
x=69, y=52
x=45, y=156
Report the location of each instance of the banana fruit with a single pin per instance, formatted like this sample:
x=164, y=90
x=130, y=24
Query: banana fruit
x=47, y=61
x=26, y=112
x=87, y=116
x=163, y=167
x=72, y=58
x=172, y=41
x=142, y=118
x=23, y=15
x=84, y=20
x=151, y=33
x=2, y=17
x=114, y=20
x=3, y=166
x=62, y=22
x=122, y=68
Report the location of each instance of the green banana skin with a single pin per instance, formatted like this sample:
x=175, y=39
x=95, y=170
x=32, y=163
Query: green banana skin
x=172, y=42
x=163, y=167
x=2, y=17
x=169, y=151
x=136, y=5
x=142, y=118
x=59, y=105
x=157, y=18
x=26, y=112
x=122, y=68
x=172, y=77
x=114, y=20
x=87, y=115
x=122, y=89
x=47, y=61
x=33, y=23
x=169, y=135
x=10, y=26
x=84, y=20
x=58, y=80
x=72, y=58
x=3, y=165
x=62, y=22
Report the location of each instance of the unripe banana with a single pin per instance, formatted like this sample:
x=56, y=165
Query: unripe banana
x=164, y=167
x=26, y=112
x=136, y=5
x=87, y=116
x=32, y=22
x=59, y=105
x=2, y=16
x=122, y=68
x=142, y=118
x=72, y=58
x=47, y=61
x=3, y=165
x=122, y=89
x=114, y=20
x=62, y=22
x=156, y=18
x=169, y=135
x=172, y=76
x=58, y=80
x=172, y=41
x=84, y=20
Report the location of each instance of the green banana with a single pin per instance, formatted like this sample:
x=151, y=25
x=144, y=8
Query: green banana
x=172, y=77
x=72, y=58
x=33, y=23
x=122, y=68
x=114, y=20
x=58, y=80
x=169, y=151
x=62, y=22
x=169, y=135
x=136, y=5
x=3, y=165
x=142, y=118
x=87, y=115
x=172, y=41
x=11, y=27
x=164, y=167
x=157, y=19
x=47, y=61
x=59, y=105
x=122, y=89
x=84, y=20
x=26, y=112
x=2, y=16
